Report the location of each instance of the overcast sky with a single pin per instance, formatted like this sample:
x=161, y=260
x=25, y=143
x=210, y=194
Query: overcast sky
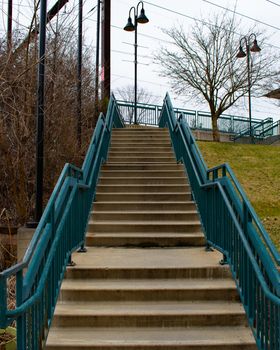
x=165, y=14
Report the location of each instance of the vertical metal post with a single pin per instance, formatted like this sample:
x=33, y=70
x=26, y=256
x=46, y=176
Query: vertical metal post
x=9, y=25
x=135, y=70
x=249, y=90
x=40, y=112
x=106, y=50
x=97, y=56
x=79, y=74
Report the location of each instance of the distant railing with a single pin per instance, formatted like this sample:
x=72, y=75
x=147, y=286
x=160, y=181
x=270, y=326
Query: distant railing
x=232, y=226
x=257, y=129
x=270, y=130
x=61, y=230
x=148, y=114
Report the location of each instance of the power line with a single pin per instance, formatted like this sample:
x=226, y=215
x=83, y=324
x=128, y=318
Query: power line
x=202, y=21
x=272, y=2
x=241, y=14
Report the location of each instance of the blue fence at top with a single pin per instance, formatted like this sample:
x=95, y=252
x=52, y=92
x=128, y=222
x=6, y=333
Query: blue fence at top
x=232, y=226
x=148, y=114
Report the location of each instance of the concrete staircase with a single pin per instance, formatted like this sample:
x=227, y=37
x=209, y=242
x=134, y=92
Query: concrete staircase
x=146, y=281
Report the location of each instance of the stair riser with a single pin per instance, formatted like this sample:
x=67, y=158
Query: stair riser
x=126, y=197
x=131, y=154
x=136, y=174
x=143, y=188
x=110, y=241
x=147, y=159
x=161, y=320
x=139, y=143
x=144, y=216
x=183, y=346
x=142, y=273
x=140, y=138
x=107, y=227
x=146, y=181
x=148, y=295
x=153, y=167
x=141, y=149
x=148, y=206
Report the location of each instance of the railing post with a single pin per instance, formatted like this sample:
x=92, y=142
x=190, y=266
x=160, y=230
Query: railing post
x=3, y=301
x=21, y=324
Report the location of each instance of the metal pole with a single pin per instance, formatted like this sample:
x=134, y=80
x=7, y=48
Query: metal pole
x=249, y=90
x=135, y=72
x=106, y=50
x=79, y=74
x=9, y=25
x=97, y=56
x=40, y=112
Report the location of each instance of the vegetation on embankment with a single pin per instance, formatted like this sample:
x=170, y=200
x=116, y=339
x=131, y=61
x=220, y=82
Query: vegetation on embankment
x=257, y=168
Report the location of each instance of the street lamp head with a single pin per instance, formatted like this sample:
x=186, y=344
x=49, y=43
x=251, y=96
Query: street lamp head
x=241, y=53
x=129, y=26
x=255, y=47
x=142, y=18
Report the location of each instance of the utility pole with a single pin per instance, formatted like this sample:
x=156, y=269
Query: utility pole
x=106, y=50
x=9, y=26
x=79, y=74
x=96, y=98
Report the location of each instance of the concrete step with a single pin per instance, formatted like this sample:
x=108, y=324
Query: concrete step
x=143, y=188
x=147, y=263
x=143, y=289
x=145, y=239
x=140, y=137
x=144, y=173
x=145, y=180
x=144, y=226
x=167, y=338
x=127, y=131
x=139, y=143
x=132, y=153
x=149, y=314
x=140, y=196
x=140, y=149
x=145, y=159
x=143, y=166
x=140, y=206
x=144, y=216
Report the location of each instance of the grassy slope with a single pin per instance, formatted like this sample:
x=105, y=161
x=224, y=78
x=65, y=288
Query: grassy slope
x=258, y=170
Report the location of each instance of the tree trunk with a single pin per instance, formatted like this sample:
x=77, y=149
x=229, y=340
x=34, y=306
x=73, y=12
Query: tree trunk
x=216, y=134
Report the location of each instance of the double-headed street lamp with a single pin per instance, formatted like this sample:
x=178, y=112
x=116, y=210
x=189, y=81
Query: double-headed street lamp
x=250, y=47
x=130, y=27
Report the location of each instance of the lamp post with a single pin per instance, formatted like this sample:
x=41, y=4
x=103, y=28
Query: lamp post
x=130, y=27
x=247, y=40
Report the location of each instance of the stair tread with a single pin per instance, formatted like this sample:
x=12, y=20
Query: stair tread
x=150, y=336
x=148, y=284
x=144, y=222
x=147, y=211
x=145, y=234
x=149, y=258
x=166, y=307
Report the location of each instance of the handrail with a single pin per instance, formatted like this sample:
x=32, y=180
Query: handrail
x=232, y=226
x=269, y=128
x=60, y=231
x=246, y=131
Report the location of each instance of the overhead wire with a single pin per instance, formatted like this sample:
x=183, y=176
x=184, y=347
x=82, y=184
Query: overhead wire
x=241, y=14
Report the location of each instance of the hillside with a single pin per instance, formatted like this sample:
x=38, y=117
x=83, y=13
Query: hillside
x=257, y=168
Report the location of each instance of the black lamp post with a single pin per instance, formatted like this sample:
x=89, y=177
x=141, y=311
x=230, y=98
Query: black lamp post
x=247, y=40
x=130, y=27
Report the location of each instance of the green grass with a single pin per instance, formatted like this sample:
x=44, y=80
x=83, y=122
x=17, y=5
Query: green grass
x=257, y=168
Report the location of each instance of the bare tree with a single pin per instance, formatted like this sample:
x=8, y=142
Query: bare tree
x=203, y=65
x=143, y=96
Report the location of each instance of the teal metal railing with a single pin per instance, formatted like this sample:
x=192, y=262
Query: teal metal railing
x=257, y=129
x=148, y=114
x=61, y=230
x=270, y=130
x=232, y=226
